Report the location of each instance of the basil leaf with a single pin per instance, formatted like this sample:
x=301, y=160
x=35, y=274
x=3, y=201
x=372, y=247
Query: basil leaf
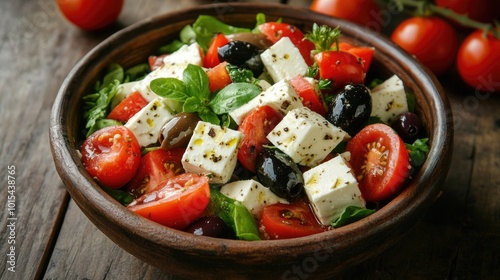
x=192, y=105
x=239, y=75
x=418, y=151
x=207, y=115
x=196, y=81
x=234, y=214
x=169, y=88
x=351, y=214
x=206, y=27
x=233, y=96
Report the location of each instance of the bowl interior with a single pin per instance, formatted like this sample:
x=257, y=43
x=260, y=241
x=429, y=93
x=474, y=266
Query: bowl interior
x=184, y=254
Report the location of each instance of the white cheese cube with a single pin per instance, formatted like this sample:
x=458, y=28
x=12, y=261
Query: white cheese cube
x=306, y=136
x=389, y=99
x=283, y=60
x=146, y=123
x=252, y=194
x=331, y=187
x=281, y=96
x=187, y=54
x=212, y=151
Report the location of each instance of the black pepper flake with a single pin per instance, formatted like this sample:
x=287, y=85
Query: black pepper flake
x=211, y=133
x=285, y=104
x=328, y=137
x=285, y=129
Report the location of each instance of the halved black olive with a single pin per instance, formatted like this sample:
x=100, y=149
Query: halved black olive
x=177, y=132
x=277, y=171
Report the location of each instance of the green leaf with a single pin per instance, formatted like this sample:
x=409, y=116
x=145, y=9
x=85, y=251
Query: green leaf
x=192, y=105
x=170, y=48
x=114, y=72
x=102, y=123
x=169, y=88
x=260, y=19
x=410, y=99
x=99, y=110
x=137, y=72
x=234, y=214
x=187, y=34
x=233, y=96
x=196, y=81
x=121, y=196
x=207, y=115
x=239, y=75
x=418, y=151
x=206, y=27
x=351, y=214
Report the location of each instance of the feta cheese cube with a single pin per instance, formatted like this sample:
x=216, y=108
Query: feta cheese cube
x=389, y=99
x=281, y=96
x=212, y=151
x=331, y=187
x=252, y=194
x=283, y=60
x=306, y=136
x=147, y=123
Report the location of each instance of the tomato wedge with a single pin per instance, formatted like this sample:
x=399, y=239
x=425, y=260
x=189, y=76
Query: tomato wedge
x=111, y=155
x=218, y=77
x=212, y=57
x=380, y=162
x=364, y=53
x=340, y=67
x=128, y=107
x=311, y=98
x=156, y=166
x=282, y=221
x=175, y=203
x=274, y=31
x=255, y=126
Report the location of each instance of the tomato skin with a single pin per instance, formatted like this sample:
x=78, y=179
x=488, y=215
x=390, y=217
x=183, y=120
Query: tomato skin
x=283, y=221
x=310, y=97
x=255, y=126
x=274, y=31
x=340, y=67
x=218, y=77
x=90, y=14
x=156, y=166
x=381, y=172
x=212, y=57
x=431, y=39
x=175, y=203
x=111, y=155
x=364, y=53
x=359, y=11
x=128, y=107
x=478, y=10
x=478, y=61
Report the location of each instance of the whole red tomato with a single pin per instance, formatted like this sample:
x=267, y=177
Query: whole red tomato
x=479, y=10
x=431, y=39
x=363, y=12
x=478, y=61
x=91, y=14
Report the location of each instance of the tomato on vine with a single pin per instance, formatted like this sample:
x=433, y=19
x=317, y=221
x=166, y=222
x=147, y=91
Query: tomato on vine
x=359, y=11
x=479, y=10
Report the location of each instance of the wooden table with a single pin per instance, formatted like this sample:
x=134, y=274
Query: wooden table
x=459, y=238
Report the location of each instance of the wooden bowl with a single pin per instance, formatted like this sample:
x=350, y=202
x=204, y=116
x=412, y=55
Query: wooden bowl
x=185, y=255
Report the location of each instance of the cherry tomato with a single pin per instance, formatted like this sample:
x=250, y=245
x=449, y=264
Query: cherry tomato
x=311, y=98
x=363, y=12
x=478, y=10
x=364, y=53
x=212, y=56
x=156, y=166
x=111, y=155
x=380, y=162
x=282, y=221
x=340, y=67
x=175, y=203
x=478, y=61
x=431, y=39
x=255, y=126
x=156, y=62
x=128, y=107
x=91, y=14
x=274, y=31
x=218, y=77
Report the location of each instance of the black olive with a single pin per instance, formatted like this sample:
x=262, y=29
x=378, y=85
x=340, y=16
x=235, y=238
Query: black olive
x=278, y=172
x=242, y=54
x=177, y=132
x=212, y=226
x=407, y=126
x=351, y=108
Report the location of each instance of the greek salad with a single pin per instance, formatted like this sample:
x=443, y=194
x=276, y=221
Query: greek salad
x=263, y=133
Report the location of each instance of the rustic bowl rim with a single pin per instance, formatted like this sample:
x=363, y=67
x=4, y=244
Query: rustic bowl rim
x=78, y=183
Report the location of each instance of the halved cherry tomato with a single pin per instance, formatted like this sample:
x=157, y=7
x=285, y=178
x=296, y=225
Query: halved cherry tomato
x=340, y=67
x=128, y=107
x=175, y=203
x=282, y=221
x=212, y=57
x=156, y=166
x=274, y=31
x=364, y=12
x=380, y=162
x=218, y=77
x=311, y=98
x=111, y=155
x=255, y=126
x=364, y=53
x=156, y=62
